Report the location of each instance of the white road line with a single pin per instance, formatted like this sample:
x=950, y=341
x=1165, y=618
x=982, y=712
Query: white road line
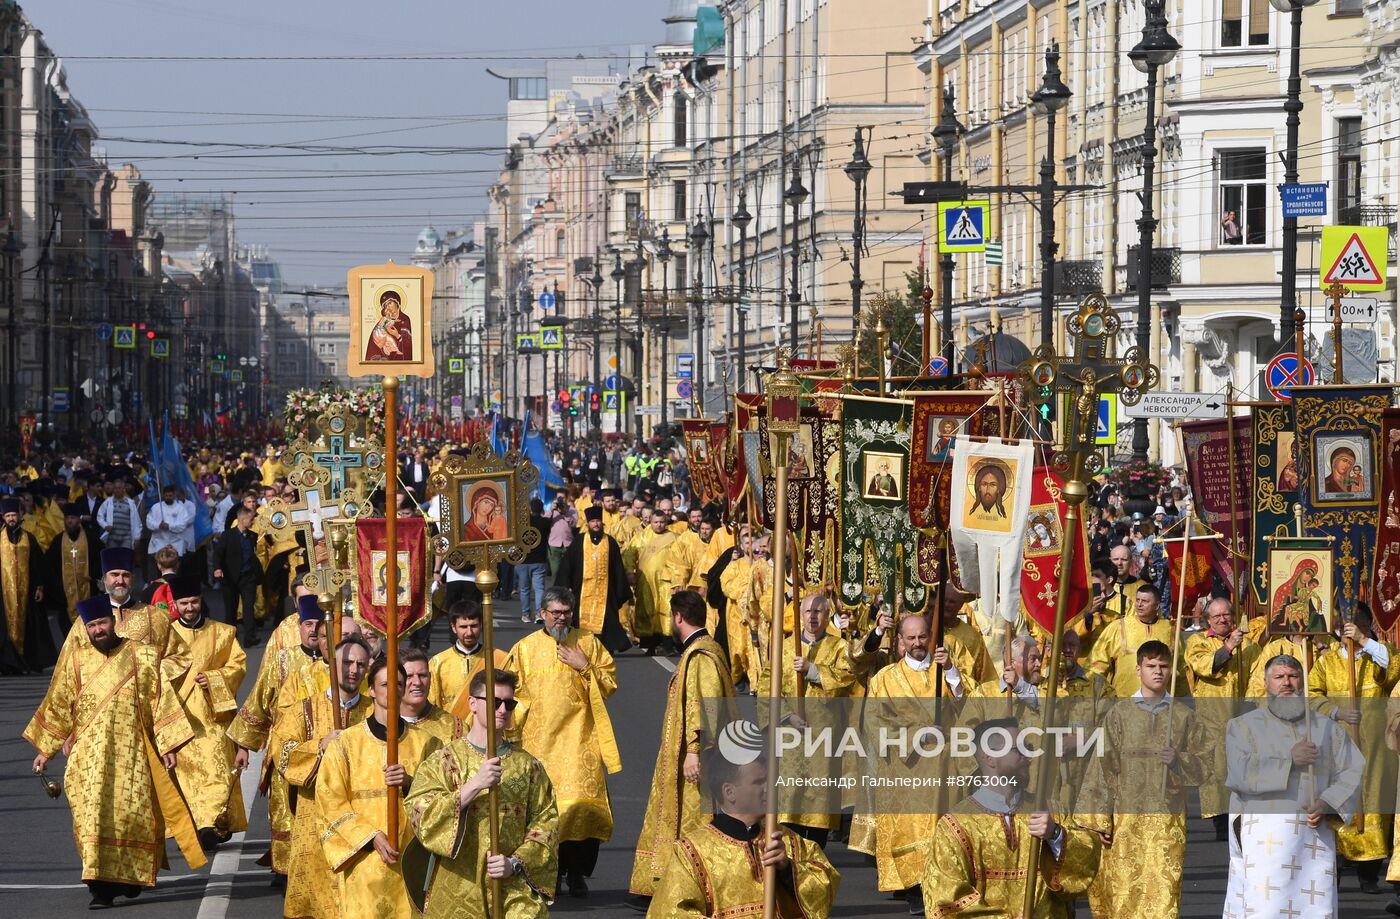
x=224, y=868
x=666, y=663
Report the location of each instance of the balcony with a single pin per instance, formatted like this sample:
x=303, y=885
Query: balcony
x=1075, y=278
x=670, y=309
x=626, y=166
x=1369, y=215
x=1166, y=268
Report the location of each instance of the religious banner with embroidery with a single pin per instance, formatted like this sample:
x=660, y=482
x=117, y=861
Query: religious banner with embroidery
x=1339, y=431
x=939, y=417
x=1040, y=565
x=989, y=505
x=1273, y=488
x=814, y=490
x=371, y=572
x=744, y=419
x=704, y=474
x=1385, y=582
x=877, y=541
x=1194, y=580
x=1207, y=448
x=719, y=440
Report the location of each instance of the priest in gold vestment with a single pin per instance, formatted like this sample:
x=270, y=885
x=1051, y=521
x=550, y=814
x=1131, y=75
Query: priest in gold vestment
x=701, y=678
x=648, y=564
x=1377, y=673
x=26, y=646
x=72, y=561
x=351, y=794
x=717, y=867
x=126, y=725
x=593, y=569
x=979, y=853
x=740, y=616
x=1218, y=662
x=414, y=706
x=1135, y=794
x=306, y=724
x=447, y=808
x=252, y=726
x=209, y=691
x=452, y=670
x=1115, y=651
x=565, y=674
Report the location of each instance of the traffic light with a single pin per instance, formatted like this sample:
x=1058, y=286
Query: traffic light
x=593, y=403
x=150, y=334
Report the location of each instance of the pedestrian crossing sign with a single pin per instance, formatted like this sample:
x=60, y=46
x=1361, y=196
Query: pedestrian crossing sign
x=124, y=336
x=551, y=337
x=613, y=400
x=963, y=225
x=456, y=364
x=1355, y=256
x=160, y=347
x=527, y=341
x=1106, y=431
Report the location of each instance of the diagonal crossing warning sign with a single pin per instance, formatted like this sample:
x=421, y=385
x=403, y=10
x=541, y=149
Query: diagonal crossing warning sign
x=1355, y=257
x=962, y=226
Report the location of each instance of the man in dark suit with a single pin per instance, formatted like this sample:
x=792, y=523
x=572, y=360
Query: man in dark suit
x=236, y=564
x=415, y=474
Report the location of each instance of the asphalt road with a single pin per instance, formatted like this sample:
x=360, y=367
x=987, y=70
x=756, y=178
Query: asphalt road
x=39, y=868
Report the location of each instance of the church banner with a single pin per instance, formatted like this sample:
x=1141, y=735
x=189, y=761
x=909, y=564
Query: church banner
x=1207, y=449
x=745, y=419
x=814, y=486
x=990, y=504
x=704, y=474
x=877, y=541
x=1273, y=488
x=1385, y=583
x=1339, y=431
x=939, y=417
x=1041, y=579
x=1191, y=577
x=371, y=572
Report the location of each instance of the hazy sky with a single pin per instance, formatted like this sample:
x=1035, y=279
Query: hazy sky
x=197, y=125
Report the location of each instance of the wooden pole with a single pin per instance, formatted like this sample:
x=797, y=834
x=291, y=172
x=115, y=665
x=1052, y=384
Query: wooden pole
x=775, y=645
x=487, y=582
x=1176, y=631
x=1075, y=492
x=1236, y=550
x=1336, y=292
x=337, y=607
x=391, y=583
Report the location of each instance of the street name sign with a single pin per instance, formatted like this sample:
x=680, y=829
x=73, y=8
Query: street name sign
x=1178, y=405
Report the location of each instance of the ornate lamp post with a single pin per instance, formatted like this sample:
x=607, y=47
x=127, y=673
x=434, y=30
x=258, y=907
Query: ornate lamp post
x=858, y=170
x=741, y=219
x=1052, y=96
x=663, y=255
x=795, y=196
x=595, y=419
x=945, y=134
x=699, y=236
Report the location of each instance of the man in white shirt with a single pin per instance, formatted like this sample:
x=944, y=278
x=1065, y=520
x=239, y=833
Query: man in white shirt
x=169, y=520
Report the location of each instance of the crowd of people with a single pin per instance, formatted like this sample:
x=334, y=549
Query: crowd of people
x=628, y=562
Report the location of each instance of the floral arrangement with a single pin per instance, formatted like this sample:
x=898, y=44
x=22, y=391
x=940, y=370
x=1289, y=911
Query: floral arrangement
x=1142, y=478
x=304, y=406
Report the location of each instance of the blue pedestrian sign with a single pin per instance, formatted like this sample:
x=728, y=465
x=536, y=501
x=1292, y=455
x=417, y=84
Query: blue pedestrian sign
x=546, y=300
x=160, y=347
x=962, y=226
x=612, y=401
x=104, y=331
x=551, y=337
x=125, y=337
x=938, y=367
x=1106, y=430
x=1304, y=199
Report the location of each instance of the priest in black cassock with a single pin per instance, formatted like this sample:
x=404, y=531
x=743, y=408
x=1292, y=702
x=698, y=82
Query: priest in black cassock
x=592, y=569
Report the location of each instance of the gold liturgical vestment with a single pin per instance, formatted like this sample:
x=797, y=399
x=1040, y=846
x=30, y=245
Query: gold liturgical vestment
x=1131, y=795
x=568, y=728
x=1220, y=688
x=969, y=653
x=673, y=804
x=1115, y=654
x=714, y=870
x=250, y=730
x=593, y=585
x=74, y=560
x=440, y=723
x=451, y=671
x=648, y=556
x=204, y=767
x=354, y=804
x=122, y=711
x=740, y=619
x=142, y=625
x=15, y=565
x=459, y=838
x=1328, y=681
x=304, y=716
x=977, y=862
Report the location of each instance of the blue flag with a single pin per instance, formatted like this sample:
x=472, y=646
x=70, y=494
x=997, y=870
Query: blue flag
x=173, y=464
x=550, y=481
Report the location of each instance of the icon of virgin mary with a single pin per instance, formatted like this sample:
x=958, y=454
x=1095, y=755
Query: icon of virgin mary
x=391, y=339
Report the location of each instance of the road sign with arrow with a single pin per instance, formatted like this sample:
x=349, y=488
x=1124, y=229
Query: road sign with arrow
x=1178, y=405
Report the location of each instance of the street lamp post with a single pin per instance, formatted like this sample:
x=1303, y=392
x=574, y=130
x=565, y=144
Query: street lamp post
x=595, y=421
x=1052, y=96
x=619, y=274
x=1293, y=106
x=1156, y=49
x=742, y=218
x=945, y=134
x=663, y=254
x=858, y=170
x=699, y=236
x=795, y=196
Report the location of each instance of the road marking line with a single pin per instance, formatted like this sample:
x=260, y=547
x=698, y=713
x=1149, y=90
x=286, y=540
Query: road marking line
x=665, y=663
x=224, y=868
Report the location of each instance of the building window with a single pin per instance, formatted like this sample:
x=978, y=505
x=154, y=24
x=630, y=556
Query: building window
x=682, y=273
x=529, y=88
x=678, y=196
x=288, y=368
x=1244, y=23
x=1244, y=197
x=632, y=210
x=1348, y=7
x=1349, y=171
x=325, y=348
x=559, y=243
x=679, y=103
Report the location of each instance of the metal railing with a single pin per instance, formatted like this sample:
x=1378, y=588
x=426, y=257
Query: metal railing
x=1166, y=267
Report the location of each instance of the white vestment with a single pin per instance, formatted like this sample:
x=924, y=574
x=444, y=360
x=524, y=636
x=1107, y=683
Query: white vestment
x=1279, y=866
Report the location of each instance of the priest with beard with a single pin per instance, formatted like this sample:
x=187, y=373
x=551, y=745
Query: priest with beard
x=1294, y=779
x=73, y=562
x=209, y=693
x=26, y=645
x=592, y=568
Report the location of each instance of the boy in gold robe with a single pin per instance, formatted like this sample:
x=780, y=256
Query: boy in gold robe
x=209, y=691
x=306, y=725
x=350, y=792
x=447, y=808
x=716, y=868
x=673, y=804
x=565, y=674
x=125, y=724
x=1135, y=794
